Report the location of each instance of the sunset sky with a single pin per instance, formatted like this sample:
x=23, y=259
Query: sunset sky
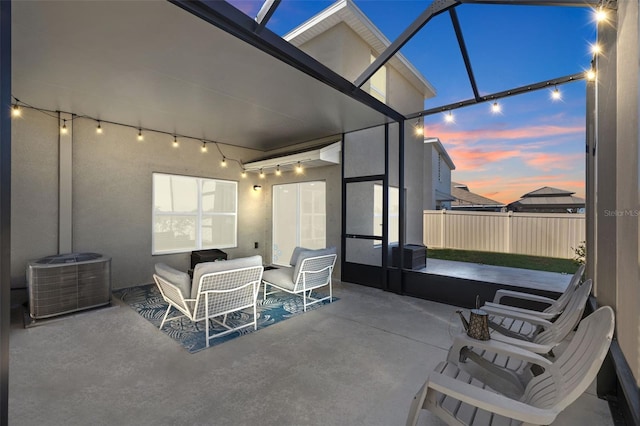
x=534, y=141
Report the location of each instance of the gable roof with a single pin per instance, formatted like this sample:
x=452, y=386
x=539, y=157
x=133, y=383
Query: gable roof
x=548, y=191
x=346, y=11
x=464, y=197
x=435, y=142
x=549, y=197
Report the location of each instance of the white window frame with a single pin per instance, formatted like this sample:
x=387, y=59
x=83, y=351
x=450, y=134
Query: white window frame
x=198, y=215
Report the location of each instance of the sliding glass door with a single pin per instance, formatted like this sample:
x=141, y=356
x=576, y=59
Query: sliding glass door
x=299, y=218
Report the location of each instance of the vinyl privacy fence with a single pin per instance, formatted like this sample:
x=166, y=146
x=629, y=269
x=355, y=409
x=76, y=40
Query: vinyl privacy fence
x=537, y=234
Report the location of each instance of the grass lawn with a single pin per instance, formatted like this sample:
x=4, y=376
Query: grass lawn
x=550, y=264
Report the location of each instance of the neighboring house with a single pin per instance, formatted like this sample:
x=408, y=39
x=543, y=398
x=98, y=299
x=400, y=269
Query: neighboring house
x=437, y=175
x=548, y=200
x=345, y=40
x=469, y=201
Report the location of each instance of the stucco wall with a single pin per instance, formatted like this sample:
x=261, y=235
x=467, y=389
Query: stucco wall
x=112, y=195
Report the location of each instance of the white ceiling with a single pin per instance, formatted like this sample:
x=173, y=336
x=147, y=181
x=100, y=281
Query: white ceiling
x=151, y=64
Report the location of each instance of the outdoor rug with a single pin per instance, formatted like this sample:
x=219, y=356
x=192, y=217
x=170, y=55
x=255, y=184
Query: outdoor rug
x=148, y=302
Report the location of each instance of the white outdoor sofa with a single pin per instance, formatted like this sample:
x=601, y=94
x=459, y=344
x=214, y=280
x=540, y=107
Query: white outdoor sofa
x=218, y=289
x=309, y=270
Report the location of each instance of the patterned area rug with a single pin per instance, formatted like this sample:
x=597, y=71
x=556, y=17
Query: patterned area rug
x=148, y=302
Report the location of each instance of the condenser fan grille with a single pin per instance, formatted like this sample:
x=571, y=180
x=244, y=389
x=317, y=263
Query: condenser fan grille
x=63, y=284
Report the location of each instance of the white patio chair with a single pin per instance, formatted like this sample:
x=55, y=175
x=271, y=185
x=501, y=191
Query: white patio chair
x=312, y=270
x=460, y=399
x=526, y=327
x=554, y=306
x=543, y=343
x=219, y=288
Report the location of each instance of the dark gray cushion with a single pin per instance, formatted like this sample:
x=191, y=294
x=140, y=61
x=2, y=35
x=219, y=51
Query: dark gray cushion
x=219, y=266
x=305, y=254
x=178, y=278
x=281, y=277
x=295, y=254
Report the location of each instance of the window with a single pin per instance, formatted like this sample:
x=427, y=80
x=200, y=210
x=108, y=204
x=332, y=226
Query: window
x=191, y=213
x=378, y=83
x=299, y=218
x=394, y=213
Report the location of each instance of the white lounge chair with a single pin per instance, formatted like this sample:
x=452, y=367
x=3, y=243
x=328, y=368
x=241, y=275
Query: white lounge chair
x=310, y=270
x=554, y=306
x=514, y=370
x=219, y=288
x=523, y=327
x=460, y=399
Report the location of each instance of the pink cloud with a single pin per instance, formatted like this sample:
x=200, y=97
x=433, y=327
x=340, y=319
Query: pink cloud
x=476, y=158
x=452, y=137
x=553, y=161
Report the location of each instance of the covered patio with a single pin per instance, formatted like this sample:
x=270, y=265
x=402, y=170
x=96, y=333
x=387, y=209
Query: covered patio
x=207, y=90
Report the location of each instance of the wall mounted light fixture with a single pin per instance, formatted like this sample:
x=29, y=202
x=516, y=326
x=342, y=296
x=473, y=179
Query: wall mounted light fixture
x=257, y=187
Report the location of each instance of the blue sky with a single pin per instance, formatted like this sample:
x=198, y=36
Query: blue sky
x=534, y=141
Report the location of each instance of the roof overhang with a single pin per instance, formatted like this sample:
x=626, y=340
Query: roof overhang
x=156, y=66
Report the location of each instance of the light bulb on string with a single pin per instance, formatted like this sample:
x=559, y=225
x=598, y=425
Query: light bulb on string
x=204, y=147
x=496, y=108
x=591, y=75
x=140, y=137
x=243, y=173
x=261, y=174
x=556, y=95
x=16, y=111
x=419, y=127
x=600, y=14
x=299, y=168
x=64, y=129
x=278, y=172
x=175, y=141
x=449, y=117
x=99, y=128
x=596, y=49
x=223, y=163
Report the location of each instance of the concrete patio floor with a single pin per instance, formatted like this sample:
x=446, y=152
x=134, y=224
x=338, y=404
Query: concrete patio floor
x=357, y=361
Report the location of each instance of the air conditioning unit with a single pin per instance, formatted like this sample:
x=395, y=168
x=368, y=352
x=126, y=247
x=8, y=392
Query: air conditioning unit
x=67, y=283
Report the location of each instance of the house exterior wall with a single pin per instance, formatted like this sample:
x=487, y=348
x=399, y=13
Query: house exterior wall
x=616, y=237
x=112, y=195
x=437, y=178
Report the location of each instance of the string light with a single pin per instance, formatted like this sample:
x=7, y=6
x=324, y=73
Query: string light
x=243, y=173
x=99, y=128
x=600, y=14
x=175, y=141
x=496, y=108
x=419, y=127
x=591, y=75
x=596, y=49
x=16, y=111
x=140, y=137
x=278, y=172
x=299, y=168
x=449, y=117
x=204, y=147
x=556, y=95
x=63, y=129
x=261, y=174
x=223, y=163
